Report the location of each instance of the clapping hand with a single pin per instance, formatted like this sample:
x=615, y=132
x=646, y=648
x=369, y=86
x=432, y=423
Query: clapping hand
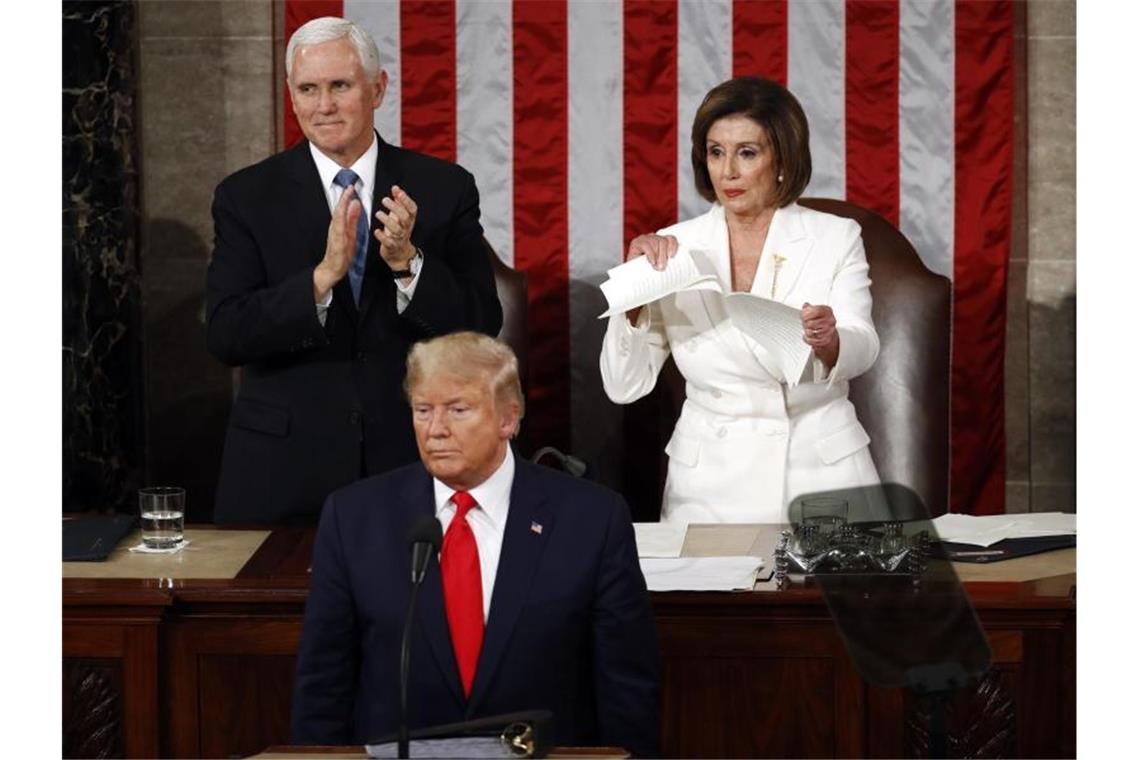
x=395, y=229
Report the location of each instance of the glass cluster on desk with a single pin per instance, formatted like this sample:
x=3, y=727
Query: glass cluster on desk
x=823, y=541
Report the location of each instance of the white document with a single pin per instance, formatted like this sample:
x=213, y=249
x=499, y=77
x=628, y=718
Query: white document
x=987, y=530
x=659, y=539
x=775, y=326
x=700, y=573
x=778, y=329
x=463, y=746
x=636, y=283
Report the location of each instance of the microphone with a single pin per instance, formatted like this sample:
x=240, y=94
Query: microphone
x=425, y=537
x=569, y=463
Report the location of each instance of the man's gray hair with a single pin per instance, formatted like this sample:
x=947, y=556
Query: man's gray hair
x=331, y=29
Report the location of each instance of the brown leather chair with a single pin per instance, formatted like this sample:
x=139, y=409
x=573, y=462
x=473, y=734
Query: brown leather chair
x=903, y=400
x=512, y=290
x=511, y=286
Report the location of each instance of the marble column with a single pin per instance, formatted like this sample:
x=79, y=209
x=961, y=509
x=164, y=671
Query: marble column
x=102, y=339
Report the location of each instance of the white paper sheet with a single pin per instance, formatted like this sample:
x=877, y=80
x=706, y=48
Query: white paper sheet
x=636, y=283
x=987, y=530
x=660, y=539
x=700, y=573
x=464, y=746
x=775, y=326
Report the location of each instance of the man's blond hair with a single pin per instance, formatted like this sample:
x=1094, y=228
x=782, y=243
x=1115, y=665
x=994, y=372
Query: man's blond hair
x=466, y=356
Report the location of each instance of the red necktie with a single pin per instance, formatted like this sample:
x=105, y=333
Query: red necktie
x=463, y=589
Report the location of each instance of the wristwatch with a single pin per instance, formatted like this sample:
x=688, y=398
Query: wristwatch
x=413, y=269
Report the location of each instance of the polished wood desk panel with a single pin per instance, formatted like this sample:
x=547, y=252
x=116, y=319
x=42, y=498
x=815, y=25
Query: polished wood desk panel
x=166, y=664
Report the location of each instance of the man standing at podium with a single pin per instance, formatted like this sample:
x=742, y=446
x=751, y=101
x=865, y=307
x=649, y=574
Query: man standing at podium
x=537, y=600
x=330, y=260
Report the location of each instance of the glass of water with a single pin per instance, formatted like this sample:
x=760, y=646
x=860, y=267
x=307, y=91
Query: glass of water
x=828, y=513
x=163, y=513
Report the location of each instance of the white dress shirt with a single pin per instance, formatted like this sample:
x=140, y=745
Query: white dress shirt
x=365, y=168
x=487, y=520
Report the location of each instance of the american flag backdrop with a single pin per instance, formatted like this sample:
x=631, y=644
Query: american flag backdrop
x=574, y=116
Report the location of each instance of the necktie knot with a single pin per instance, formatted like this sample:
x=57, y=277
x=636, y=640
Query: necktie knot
x=345, y=178
x=464, y=502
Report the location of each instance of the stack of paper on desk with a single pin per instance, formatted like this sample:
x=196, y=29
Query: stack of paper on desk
x=776, y=327
x=989, y=529
x=700, y=573
x=659, y=539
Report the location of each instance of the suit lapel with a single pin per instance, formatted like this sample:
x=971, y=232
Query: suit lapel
x=431, y=615
x=311, y=212
x=377, y=280
x=789, y=247
x=518, y=561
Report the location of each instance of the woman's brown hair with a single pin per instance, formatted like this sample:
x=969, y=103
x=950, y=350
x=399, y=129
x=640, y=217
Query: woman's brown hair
x=777, y=112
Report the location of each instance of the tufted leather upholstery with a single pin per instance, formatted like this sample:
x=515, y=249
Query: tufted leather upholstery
x=511, y=287
x=904, y=399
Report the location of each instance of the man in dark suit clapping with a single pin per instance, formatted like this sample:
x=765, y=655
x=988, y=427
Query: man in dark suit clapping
x=330, y=260
x=537, y=601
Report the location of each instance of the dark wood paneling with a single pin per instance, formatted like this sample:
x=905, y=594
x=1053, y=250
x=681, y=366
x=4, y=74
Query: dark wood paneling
x=93, y=708
x=230, y=684
x=243, y=703
x=127, y=647
x=745, y=674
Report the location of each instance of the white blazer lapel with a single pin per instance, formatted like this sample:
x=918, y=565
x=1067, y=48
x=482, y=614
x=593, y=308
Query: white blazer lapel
x=787, y=248
x=716, y=233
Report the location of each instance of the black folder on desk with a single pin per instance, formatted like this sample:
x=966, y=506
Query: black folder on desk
x=1006, y=549
x=92, y=539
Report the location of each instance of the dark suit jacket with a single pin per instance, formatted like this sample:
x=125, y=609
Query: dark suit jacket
x=320, y=406
x=570, y=627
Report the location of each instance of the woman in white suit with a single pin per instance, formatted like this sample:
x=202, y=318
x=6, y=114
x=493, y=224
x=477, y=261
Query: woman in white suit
x=746, y=444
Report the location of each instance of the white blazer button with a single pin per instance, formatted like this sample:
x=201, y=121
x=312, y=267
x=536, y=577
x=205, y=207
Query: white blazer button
x=716, y=393
x=722, y=433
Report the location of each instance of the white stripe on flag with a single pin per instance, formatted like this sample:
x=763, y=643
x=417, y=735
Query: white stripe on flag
x=817, y=75
x=704, y=60
x=485, y=114
x=596, y=69
x=381, y=19
x=926, y=130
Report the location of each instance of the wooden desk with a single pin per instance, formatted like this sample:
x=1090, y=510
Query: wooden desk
x=193, y=656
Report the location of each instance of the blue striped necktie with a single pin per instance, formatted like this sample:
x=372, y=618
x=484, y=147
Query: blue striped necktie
x=345, y=178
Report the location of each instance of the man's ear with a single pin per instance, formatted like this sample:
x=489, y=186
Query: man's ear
x=381, y=87
x=509, y=422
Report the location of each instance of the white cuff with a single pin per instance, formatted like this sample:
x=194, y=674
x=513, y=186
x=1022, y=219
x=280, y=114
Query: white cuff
x=323, y=307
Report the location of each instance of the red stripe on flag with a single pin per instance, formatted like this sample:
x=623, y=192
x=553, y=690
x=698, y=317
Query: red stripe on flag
x=542, y=247
x=760, y=39
x=873, y=106
x=649, y=138
x=427, y=71
x=297, y=13
x=650, y=116
x=983, y=179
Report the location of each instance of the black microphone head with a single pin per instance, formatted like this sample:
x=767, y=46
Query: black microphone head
x=426, y=530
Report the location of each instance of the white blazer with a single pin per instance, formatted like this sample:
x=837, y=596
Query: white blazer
x=747, y=445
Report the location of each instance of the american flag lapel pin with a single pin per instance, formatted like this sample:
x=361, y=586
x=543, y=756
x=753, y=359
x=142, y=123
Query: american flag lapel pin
x=535, y=528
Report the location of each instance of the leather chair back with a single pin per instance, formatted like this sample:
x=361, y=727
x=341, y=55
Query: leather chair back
x=904, y=399
x=512, y=290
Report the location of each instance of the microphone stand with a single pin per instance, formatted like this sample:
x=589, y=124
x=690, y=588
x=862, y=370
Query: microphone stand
x=425, y=539
x=405, y=663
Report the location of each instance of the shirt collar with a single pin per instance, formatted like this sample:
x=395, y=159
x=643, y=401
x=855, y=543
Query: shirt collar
x=365, y=166
x=493, y=495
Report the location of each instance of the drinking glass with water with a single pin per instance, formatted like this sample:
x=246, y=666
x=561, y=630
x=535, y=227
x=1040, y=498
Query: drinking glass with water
x=163, y=510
